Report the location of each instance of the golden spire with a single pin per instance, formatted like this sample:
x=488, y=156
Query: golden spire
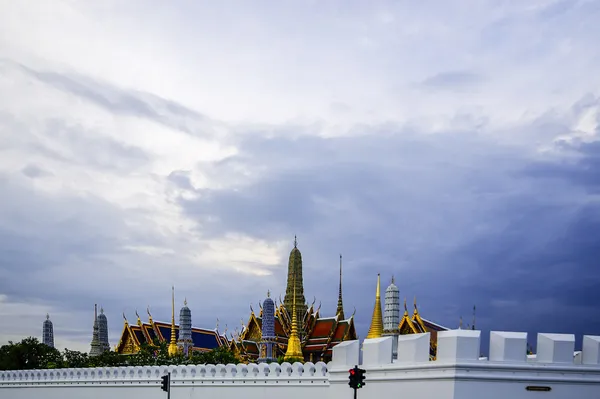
x=405, y=308
x=294, y=347
x=173, y=344
x=376, y=328
x=415, y=305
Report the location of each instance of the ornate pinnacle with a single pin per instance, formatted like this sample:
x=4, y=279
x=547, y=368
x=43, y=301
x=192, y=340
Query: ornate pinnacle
x=173, y=344
x=376, y=328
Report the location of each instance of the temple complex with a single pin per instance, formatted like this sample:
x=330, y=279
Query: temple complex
x=295, y=324
x=182, y=337
x=414, y=324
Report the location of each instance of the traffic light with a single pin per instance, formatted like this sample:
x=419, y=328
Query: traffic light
x=165, y=384
x=357, y=378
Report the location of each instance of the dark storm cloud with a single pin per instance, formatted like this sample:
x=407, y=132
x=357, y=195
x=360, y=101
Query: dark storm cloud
x=460, y=220
x=584, y=170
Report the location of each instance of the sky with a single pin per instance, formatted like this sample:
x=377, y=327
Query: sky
x=145, y=144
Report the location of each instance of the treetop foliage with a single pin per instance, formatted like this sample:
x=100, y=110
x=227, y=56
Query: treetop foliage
x=31, y=354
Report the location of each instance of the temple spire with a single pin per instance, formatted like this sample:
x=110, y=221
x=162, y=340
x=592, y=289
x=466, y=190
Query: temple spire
x=294, y=347
x=340, y=305
x=473, y=324
x=294, y=291
x=376, y=328
x=173, y=344
x=96, y=348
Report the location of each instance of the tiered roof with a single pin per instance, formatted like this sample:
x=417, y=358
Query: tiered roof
x=133, y=336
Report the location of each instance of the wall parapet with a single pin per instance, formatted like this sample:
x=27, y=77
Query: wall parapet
x=459, y=372
x=180, y=375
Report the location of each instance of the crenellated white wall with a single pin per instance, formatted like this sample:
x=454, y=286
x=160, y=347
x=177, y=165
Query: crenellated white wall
x=458, y=373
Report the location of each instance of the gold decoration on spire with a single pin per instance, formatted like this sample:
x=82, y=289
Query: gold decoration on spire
x=376, y=328
x=185, y=301
x=173, y=344
x=294, y=347
x=415, y=305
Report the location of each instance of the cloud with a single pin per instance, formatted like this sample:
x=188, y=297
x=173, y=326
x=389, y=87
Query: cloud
x=452, y=80
x=457, y=151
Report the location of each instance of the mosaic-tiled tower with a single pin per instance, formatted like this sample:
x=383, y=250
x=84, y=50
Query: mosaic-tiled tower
x=294, y=292
x=268, y=341
x=185, y=343
x=96, y=346
x=391, y=317
x=103, y=330
x=48, y=332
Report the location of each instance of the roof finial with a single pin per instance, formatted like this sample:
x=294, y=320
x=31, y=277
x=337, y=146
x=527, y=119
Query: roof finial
x=268, y=293
x=340, y=305
x=376, y=328
x=393, y=280
x=415, y=304
x=295, y=241
x=173, y=344
x=405, y=308
x=294, y=346
x=473, y=324
x=460, y=323
x=124, y=318
x=47, y=316
x=101, y=310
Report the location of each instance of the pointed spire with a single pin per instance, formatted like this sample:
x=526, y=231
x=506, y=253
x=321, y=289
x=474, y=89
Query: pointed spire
x=294, y=347
x=173, y=344
x=101, y=310
x=185, y=301
x=376, y=328
x=405, y=308
x=340, y=305
x=393, y=280
x=268, y=293
x=473, y=324
x=96, y=348
x=415, y=305
x=295, y=241
x=47, y=316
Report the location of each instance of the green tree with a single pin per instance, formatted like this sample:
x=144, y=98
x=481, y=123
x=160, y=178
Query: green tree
x=74, y=359
x=29, y=354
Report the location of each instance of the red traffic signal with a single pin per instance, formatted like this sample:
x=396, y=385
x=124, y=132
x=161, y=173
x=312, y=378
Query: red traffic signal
x=356, y=378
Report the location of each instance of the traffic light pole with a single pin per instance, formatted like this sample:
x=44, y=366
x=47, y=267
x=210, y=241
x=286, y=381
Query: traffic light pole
x=169, y=390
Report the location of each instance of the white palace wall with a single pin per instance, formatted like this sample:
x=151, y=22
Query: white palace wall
x=458, y=373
